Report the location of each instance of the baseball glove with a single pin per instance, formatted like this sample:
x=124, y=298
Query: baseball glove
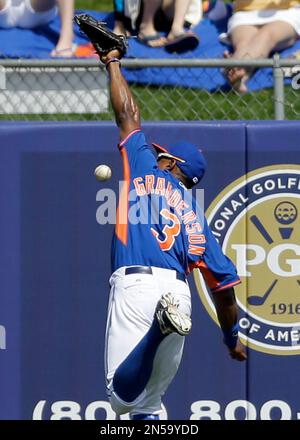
x=102, y=38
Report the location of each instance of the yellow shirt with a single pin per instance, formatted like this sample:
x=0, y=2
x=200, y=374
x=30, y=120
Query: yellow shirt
x=255, y=5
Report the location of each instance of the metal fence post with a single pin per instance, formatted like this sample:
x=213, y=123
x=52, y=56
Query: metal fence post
x=2, y=78
x=278, y=89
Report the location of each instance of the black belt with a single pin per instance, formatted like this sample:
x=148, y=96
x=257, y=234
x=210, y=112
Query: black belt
x=148, y=270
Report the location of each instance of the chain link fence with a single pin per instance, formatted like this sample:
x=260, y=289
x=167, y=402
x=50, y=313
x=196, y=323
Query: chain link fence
x=77, y=90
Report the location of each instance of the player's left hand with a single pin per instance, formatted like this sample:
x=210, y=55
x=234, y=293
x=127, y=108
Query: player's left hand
x=238, y=353
x=112, y=54
x=106, y=43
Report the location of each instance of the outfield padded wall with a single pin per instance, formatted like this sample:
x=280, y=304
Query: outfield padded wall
x=55, y=267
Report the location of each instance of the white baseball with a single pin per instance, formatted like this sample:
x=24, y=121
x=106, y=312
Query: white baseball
x=102, y=173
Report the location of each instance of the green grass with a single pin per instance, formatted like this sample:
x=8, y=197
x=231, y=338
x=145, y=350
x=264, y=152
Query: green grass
x=101, y=5
x=187, y=104
x=190, y=104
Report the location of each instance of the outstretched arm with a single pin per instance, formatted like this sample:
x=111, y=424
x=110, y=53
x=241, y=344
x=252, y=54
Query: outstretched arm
x=125, y=108
x=227, y=313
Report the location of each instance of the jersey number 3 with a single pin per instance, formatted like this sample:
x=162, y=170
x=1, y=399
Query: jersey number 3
x=169, y=232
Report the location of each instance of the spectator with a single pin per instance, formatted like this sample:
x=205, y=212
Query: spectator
x=149, y=17
x=119, y=27
x=29, y=14
x=174, y=11
x=257, y=28
x=126, y=14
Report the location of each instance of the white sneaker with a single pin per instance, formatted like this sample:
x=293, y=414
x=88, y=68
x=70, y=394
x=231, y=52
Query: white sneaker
x=170, y=319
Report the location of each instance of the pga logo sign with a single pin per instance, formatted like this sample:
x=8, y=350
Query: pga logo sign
x=276, y=259
x=256, y=220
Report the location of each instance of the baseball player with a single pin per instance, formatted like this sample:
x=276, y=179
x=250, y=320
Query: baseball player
x=160, y=236
x=149, y=308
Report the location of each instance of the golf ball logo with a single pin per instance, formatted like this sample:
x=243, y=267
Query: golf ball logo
x=255, y=220
x=285, y=213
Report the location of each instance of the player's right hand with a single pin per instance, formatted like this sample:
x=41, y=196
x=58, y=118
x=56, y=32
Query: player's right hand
x=238, y=353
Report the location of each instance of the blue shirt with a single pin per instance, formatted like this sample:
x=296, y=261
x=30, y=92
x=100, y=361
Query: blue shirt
x=160, y=224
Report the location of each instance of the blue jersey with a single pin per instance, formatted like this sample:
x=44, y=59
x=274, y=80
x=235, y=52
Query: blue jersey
x=160, y=224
